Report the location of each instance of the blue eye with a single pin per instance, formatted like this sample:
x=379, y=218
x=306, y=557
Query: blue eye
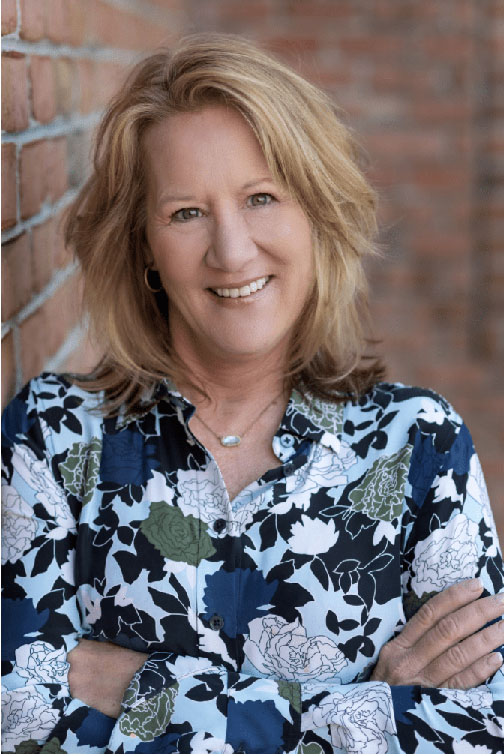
x=261, y=200
x=185, y=214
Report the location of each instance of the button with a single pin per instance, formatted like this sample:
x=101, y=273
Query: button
x=216, y=622
x=287, y=441
x=219, y=526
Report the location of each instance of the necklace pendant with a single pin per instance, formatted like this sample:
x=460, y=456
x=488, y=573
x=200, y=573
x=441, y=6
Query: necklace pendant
x=230, y=440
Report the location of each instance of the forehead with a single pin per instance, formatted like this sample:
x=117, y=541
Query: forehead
x=213, y=140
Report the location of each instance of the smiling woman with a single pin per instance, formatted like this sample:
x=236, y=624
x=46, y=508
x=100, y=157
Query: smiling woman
x=234, y=536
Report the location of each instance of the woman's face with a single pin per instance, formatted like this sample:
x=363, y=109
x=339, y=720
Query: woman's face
x=233, y=250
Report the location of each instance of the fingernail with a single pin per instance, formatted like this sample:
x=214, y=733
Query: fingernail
x=495, y=658
x=475, y=584
x=499, y=598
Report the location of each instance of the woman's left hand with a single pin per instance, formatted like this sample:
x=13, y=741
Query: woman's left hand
x=443, y=645
x=100, y=673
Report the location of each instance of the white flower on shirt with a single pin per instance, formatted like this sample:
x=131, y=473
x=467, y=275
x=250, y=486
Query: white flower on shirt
x=282, y=650
x=201, y=494
x=39, y=662
x=446, y=556
x=18, y=526
x=36, y=474
x=479, y=698
x=358, y=719
x=25, y=715
x=312, y=536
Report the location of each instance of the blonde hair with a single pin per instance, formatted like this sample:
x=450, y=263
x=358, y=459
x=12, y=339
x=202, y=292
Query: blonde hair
x=309, y=152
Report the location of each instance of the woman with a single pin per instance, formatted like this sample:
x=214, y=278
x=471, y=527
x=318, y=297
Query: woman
x=233, y=504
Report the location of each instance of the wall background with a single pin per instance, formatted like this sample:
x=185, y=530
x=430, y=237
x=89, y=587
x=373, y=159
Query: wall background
x=421, y=82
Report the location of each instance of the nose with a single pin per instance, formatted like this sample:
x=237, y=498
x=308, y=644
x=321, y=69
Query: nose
x=231, y=245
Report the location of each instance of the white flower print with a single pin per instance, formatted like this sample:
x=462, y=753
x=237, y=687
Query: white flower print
x=476, y=488
x=40, y=662
x=312, y=536
x=36, y=474
x=18, y=526
x=25, y=714
x=201, y=494
x=446, y=556
x=358, y=719
x=282, y=649
x=479, y=698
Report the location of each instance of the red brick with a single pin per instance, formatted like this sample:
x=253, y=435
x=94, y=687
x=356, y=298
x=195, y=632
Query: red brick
x=8, y=369
x=32, y=20
x=16, y=276
x=14, y=92
x=44, y=332
x=9, y=192
x=33, y=171
x=9, y=16
x=43, y=241
x=43, y=89
x=55, y=17
x=56, y=168
x=88, y=99
x=66, y=84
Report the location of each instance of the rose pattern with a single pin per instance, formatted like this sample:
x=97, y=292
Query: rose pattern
x=381, y=493
x=42, y=663
x=81, y=469
x=446, y=556
x=282, y=649
x=18, y=526
x=25, y=714
x=150, y=717
x=37, y=476
x=268, y=622
x=358, y=719
x=175, y=536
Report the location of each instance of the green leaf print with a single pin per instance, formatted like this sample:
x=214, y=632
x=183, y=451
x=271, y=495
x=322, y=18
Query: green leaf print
x=310, y=748
x=327, y=415
x=178, y=537
x=52, y=746
x=151, y=717
x=81, y=468
x=291, y=691
x=380, y=495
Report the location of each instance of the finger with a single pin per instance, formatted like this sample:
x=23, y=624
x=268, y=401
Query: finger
x=445, y=602
x=463, y=655
x=476, y=673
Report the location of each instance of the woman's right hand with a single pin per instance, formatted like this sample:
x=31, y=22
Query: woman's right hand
x=443, y=645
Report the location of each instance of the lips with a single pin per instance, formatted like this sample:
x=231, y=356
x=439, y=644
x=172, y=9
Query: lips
x=242, y=291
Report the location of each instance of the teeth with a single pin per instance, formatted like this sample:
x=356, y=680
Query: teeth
x=244, y=291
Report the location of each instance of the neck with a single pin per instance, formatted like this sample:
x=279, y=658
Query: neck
x=232, y=382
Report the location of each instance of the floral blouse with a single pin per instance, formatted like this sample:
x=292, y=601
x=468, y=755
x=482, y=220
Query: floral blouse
x=262, y=616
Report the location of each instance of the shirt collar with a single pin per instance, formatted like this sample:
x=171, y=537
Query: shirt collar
x=305, y=417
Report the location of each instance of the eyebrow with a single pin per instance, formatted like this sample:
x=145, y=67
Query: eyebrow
x=187, y=198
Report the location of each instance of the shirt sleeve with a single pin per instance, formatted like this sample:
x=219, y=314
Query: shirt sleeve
x=41, y=620
x=180, y=705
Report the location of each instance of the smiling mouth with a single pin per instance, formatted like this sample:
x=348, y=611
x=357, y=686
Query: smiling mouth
x=243, y=291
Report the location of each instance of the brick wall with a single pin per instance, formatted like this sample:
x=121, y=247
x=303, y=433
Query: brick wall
x=61, y=61
x=422, y=83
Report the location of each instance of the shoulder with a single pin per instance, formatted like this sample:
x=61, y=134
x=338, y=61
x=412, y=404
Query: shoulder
x=398, y=415
x=52, y=406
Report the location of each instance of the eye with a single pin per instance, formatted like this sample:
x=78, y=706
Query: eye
x=185, y=214
x=261, y=200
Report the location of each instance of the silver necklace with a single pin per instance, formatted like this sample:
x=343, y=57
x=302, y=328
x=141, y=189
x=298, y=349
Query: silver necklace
x=234, y=439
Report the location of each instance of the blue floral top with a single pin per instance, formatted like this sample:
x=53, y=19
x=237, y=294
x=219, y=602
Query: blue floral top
x=262, y=616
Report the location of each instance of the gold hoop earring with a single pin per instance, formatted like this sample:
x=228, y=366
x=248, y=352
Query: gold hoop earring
x=147, y=270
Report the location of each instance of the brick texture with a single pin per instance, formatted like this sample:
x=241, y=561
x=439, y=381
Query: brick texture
x=43, y=83
x=14, y=92
x=32, y=20
x=9, y=16
x=8, y=185
x=16, y=275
